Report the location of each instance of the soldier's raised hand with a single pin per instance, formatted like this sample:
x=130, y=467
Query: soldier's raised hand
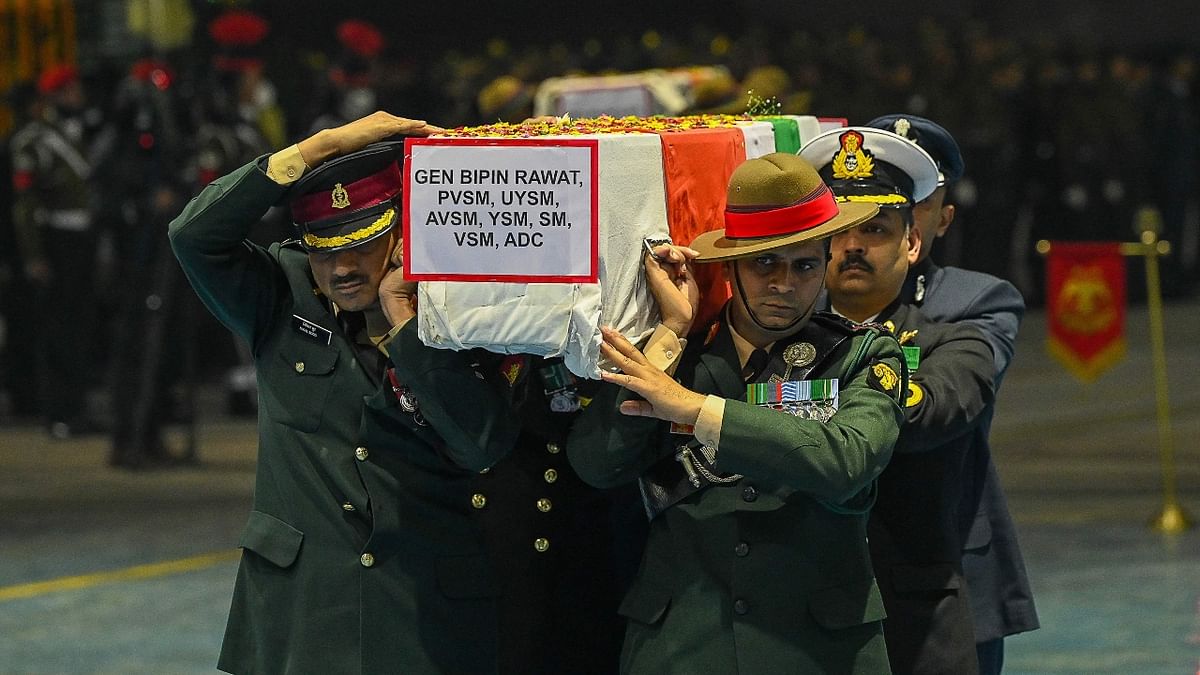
x=329, y=143
x=665, y=398
x=397, y=295
x=671, y=282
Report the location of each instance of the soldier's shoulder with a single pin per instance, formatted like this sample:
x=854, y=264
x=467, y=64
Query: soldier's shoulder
x=843, y=326
x=24, y=138
x=957, y=279
x=293, y=259
x=959, y=290
x=840, y=325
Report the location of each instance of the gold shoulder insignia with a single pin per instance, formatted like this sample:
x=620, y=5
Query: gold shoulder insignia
x=890, y=326
x=852, y=160
x=908, y=335
x=915, y=395
x=341, y=198
x=883, y=378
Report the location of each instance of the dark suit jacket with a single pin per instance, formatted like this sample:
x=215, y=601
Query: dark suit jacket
x=770, y=574
x=1001, y=599
x=916, y=546
x=362, y=553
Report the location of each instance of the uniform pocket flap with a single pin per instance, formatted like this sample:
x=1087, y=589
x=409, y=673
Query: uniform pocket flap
x=465, y=576
x=931, y=577
x=309, y=359
x=980, y=534
x=271, y=538
x=847, y=605
x=645, y=604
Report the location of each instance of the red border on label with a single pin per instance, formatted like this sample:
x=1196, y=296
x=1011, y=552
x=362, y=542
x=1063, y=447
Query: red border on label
x=593, y=277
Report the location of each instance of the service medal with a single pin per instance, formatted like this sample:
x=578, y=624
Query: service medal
x=408, y=401
x=797, y=356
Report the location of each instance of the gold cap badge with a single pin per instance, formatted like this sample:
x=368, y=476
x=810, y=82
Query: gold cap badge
x=341, y=199
x=852, y=160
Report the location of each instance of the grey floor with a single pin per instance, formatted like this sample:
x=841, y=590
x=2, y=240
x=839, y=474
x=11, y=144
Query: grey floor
x=83, y=588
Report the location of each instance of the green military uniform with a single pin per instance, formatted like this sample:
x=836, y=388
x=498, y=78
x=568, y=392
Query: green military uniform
x=769, y=572
x=361, y=554
x=53, y=209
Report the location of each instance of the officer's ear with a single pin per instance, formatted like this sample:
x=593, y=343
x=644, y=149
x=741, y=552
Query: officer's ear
x=945, y=217
x=914, y=244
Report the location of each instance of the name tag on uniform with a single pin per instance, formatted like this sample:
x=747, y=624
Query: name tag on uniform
x=806, y=399
x=312, y=330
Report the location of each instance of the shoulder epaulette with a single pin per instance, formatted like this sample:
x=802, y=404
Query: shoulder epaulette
x=846, y=326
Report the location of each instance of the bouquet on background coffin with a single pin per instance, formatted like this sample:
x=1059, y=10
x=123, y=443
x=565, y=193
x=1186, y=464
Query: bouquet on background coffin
x=657, y=176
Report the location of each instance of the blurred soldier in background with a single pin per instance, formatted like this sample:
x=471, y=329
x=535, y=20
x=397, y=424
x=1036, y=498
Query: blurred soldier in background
x=350, y=81
x=224, y=140
x=238, y=35
x=152, y=360
x=53, y=217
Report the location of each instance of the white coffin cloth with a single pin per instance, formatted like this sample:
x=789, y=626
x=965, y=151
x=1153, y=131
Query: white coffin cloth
x=808, y=126
x=760, y=138
x=564, y=319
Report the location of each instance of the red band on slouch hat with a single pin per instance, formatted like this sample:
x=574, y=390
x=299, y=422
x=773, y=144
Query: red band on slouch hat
x=815, y=209
x=361, y=194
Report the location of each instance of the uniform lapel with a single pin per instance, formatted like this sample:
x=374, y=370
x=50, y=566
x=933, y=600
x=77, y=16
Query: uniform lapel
x=719, y=369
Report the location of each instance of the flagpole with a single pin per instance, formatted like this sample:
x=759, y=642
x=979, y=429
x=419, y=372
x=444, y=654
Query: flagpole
x=1171, y=519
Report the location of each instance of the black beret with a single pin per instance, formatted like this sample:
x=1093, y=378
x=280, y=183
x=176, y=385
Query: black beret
x=932, y=138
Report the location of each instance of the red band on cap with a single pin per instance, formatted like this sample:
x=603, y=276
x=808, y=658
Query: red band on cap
x=361, y=194
x=815, y=209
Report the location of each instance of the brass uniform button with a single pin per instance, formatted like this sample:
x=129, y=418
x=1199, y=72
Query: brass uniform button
x=485, y=470
x=347, y=506
x=544, y=505
x=478, y=501
x=552, y=448
x=551, y=475
x=299, y=366
x=291, y=172
x=541, y=544
x=361, y=453
x=366, y=559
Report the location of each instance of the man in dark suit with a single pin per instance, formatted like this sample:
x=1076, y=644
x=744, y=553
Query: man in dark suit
x=757, y=466
x=362, y=554
x=1001, y=599
x=914, y=535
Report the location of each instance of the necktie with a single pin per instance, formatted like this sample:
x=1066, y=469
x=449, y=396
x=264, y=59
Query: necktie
x=754, y=365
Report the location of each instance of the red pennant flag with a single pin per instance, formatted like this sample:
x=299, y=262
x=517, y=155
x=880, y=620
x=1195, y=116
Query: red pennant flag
x=1085, y=306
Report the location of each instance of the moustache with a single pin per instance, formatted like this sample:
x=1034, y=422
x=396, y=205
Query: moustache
x=855, y=260
x=347, y=279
